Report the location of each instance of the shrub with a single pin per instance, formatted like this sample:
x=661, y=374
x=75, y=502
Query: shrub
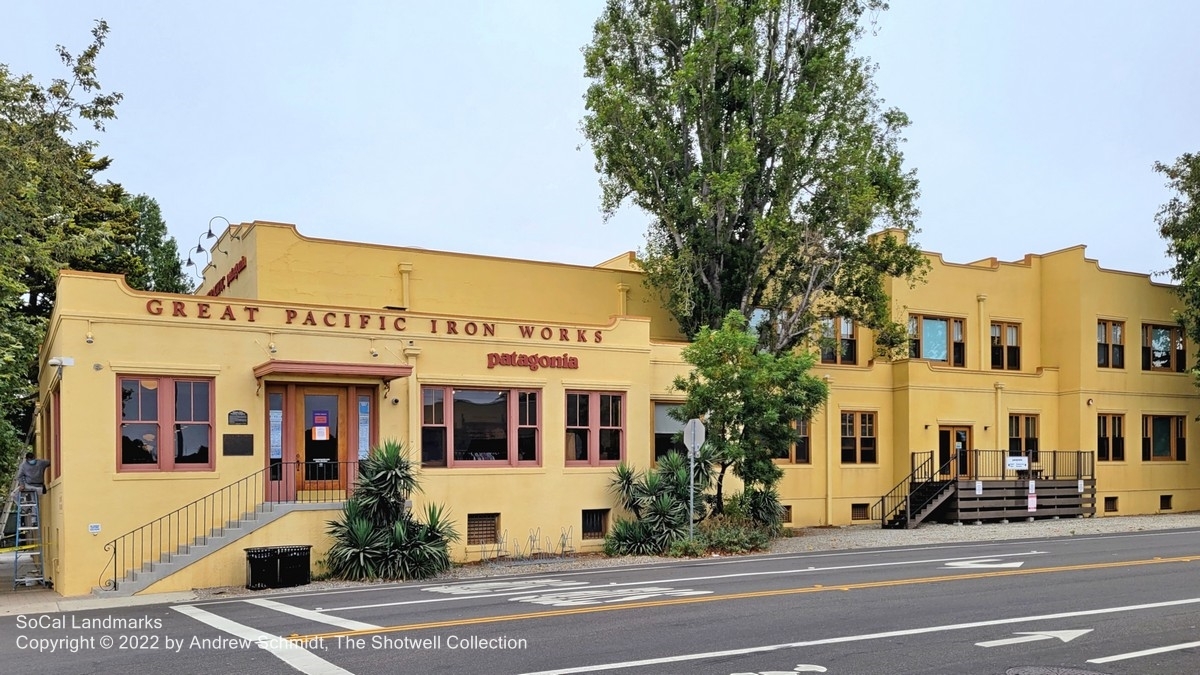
x=723, y=534
x=688, y=548
x=378, y=537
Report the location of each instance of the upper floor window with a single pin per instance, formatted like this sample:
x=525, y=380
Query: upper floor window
x=166, y=424
x=1110, y=344
x=1006, y=346
x=480, y=427
x=839, y=341
x=937, y=339
x=1110, y=438
x=1164, y=438
x=666, y=430
x=1162, y=348
x=595, y=428
x=1023, y=436
x=798, y=452
x=858, y=438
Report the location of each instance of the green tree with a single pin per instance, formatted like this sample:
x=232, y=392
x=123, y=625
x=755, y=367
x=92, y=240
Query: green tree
x=158, y=250
x=1179, y=223
x=753, y=136
x=749, y=399
x=55, y=213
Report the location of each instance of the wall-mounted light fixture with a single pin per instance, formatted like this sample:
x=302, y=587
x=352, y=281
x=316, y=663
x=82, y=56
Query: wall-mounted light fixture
x=1090, y=401
x=986, y=427
x=926, y=426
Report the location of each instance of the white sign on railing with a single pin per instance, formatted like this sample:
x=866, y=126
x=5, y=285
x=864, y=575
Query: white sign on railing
x=1016, y=463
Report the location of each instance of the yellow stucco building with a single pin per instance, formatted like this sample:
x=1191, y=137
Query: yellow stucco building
x=197, y=426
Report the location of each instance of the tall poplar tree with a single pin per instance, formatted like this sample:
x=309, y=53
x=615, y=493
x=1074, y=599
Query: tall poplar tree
x=752, y=135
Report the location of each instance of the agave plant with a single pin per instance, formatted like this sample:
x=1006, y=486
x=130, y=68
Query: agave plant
x=378, y=537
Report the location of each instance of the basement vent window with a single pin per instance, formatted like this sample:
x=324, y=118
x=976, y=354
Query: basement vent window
x=787, y=513
x=1164, y=502
x=860, y=511
x=482, y=528
x=595, y=523
x=1110, y=504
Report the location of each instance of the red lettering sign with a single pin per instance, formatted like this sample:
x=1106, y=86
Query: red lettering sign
x=532, y=361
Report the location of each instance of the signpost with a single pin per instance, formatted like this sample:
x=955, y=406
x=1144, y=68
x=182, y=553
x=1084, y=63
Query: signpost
x=693, y=438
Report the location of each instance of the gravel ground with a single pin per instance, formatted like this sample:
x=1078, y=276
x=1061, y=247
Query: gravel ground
x=805, y=540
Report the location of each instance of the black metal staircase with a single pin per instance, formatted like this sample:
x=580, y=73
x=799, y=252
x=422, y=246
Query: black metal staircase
x=916, y=497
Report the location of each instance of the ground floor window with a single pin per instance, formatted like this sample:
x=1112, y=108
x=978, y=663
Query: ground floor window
x=667, y=431
x=595, y=523
x=480, y=427
x=595, y=428
x=858, y=438
x=798, y=452
x=1110, y=438
x=1023, y=436
x=1164, y=438
x=166, y=424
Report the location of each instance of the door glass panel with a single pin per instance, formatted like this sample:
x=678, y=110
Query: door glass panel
x=321, y=437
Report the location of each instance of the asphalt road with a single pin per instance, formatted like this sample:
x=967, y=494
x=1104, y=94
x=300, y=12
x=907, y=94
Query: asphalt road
x=1121, y=604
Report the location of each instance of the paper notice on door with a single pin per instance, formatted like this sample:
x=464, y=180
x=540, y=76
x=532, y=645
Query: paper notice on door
x=320, y=433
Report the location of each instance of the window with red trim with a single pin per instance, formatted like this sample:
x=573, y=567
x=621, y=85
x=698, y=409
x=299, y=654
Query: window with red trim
x=595, y=428
x=166, y=424
x=480, y=427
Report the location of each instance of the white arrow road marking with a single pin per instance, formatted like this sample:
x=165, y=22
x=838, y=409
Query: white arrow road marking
x=1146, y=652
x=800, y=668
x=1064, y=635
x=980, y=563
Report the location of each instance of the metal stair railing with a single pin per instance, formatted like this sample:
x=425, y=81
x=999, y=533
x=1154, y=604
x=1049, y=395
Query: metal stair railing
x=898, y=497
x=209, y=516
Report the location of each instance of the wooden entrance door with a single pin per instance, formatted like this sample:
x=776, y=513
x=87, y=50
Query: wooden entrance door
x=322, y=429
x=954, y=446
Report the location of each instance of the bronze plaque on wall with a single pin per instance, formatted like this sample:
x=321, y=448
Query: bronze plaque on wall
x=237, y=444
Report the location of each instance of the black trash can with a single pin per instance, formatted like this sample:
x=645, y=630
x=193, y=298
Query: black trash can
x=294, y=568
x=262, y=568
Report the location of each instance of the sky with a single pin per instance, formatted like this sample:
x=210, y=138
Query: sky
x=455, y=126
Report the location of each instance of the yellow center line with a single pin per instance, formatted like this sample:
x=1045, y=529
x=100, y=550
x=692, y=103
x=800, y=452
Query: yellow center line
x=818, y=588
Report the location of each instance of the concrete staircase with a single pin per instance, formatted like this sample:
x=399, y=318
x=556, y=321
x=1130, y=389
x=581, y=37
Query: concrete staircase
x=201, y=547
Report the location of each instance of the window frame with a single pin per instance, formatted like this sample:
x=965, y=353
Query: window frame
x=839, y=347
x=1176, y=356
x=676, y=446
x=1005, y=356
x=1110, y=437
x=165, y=400
x=956, y=339
x=860, y=422
x=1027, y=443
x=1110, y=345
x=800, y=449
x=513, y=426
x=594, y=427
x=1178, y=440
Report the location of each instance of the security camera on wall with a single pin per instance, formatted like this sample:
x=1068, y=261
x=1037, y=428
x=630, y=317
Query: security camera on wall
x=395, y=401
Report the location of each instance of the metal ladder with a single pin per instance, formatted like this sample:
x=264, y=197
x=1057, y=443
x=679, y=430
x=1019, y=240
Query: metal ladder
x=28, y=539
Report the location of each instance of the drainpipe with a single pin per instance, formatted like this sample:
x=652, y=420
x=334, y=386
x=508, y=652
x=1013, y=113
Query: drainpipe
x=830, y=429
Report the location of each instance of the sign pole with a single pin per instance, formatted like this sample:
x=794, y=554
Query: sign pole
x=693, y=438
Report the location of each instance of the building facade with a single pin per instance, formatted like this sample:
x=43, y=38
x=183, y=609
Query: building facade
x=174, y=423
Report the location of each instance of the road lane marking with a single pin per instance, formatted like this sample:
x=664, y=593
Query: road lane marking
x=281, y=648
x=1146, y=652
x=980, y=563
x=1064, y=635
x=860, y=638
x=311, y=615
x=596, y=596
x=757, y=594
x=680, y=580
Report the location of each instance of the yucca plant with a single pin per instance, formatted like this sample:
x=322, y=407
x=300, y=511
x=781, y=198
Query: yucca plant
x=378, y=537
